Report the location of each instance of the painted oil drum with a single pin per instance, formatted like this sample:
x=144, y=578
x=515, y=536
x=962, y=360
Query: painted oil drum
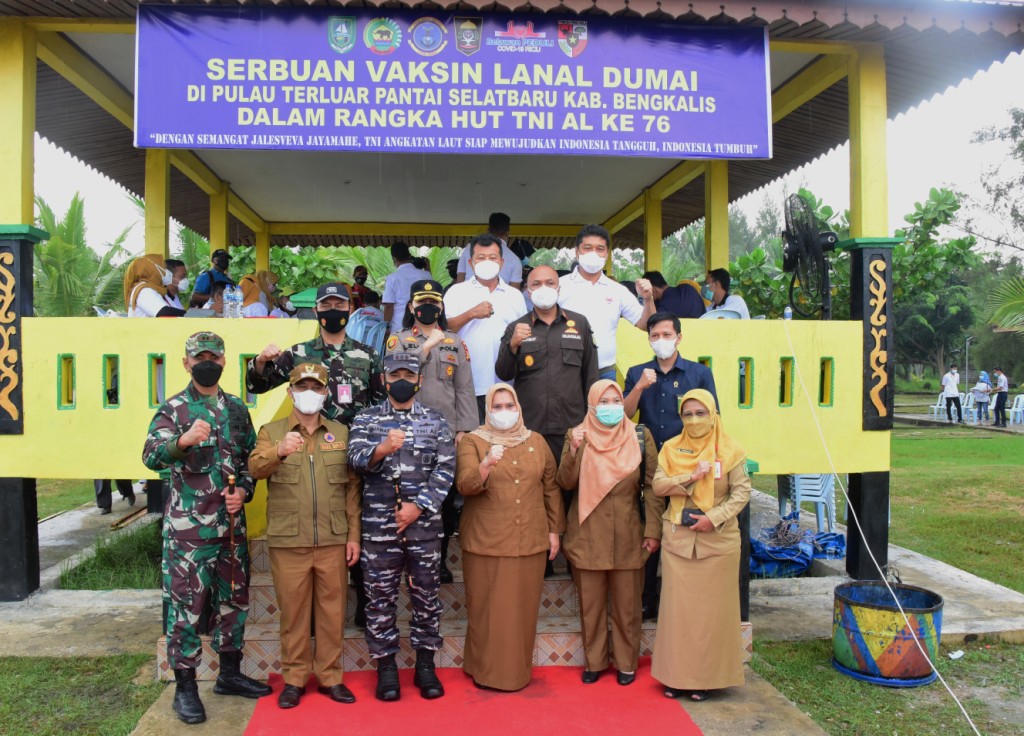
x=871, y=640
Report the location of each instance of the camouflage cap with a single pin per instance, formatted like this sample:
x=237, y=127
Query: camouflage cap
x=394, y=361
x=202, y=341
x=308, y=370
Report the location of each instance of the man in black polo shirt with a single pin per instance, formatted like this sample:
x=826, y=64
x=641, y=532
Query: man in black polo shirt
x=656, y=388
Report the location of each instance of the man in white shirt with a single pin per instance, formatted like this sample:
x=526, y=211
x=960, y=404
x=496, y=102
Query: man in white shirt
x=600, y=299
x=1002, y=391
x=951, y=391
x=716, y=288
x=479, y=310
x=498, y=225
x=396, y=285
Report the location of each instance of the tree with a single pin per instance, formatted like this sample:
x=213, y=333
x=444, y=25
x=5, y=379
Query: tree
x=70, y=277
x=1004, y=183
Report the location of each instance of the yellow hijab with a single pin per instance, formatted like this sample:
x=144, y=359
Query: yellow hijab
x=680, y=455
x=256, y=283
x=612, y=453
x=517, y=435
x=145, y=271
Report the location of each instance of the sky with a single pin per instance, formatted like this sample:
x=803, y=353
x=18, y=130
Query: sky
x=928, y=146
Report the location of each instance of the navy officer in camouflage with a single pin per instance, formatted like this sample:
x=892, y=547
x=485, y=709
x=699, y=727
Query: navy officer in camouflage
x=407, y=455
x=203, y=436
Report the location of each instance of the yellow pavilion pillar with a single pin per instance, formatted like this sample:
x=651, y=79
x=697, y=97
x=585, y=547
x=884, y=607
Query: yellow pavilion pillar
x=652, y=231
x=716, y=215
x=219, y=217
x=158, y=201
x=263, y=249
x=869, y=190
x=17, y=121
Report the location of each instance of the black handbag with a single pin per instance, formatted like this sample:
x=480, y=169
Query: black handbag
x=690, y=516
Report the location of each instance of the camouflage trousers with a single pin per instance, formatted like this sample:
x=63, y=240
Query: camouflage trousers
x=383, y=564
x=194, y=572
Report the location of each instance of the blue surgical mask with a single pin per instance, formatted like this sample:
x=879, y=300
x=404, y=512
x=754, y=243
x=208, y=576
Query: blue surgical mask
x=609, y=414
x=707, y=293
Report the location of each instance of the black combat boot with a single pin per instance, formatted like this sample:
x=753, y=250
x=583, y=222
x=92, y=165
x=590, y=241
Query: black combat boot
x=446, y=574
x=231, y=681
x=426, y=678
x=187, y=704
x=388, y=688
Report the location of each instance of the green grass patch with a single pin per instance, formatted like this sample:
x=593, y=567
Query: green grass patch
x=44, y=696
x=56, y=495
x=987, y=680
x=129, y=559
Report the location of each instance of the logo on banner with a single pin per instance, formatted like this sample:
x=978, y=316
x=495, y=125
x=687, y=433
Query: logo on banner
x=341, y=33
x=382, y=36
x=520, y=39
x=572, y=37
x=428, y=36
x=468, y=32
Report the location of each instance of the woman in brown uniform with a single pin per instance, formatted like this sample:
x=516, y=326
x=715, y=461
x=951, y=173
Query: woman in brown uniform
x=510, y=526
x=606, y=543
x=703, y=474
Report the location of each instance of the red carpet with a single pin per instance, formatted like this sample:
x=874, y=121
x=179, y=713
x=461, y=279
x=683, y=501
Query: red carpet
x=556, y=703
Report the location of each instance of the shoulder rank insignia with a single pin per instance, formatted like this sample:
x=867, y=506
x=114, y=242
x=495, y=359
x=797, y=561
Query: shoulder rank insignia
x=392, y=342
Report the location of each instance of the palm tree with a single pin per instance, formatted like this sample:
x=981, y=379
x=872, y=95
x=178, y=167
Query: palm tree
x=70, y=277
x=1006, y=305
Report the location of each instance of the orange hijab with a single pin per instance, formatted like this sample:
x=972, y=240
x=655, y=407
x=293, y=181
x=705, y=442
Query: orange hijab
x=144, y=272
x=680, y=455
x=611, y=454
x=504, y=437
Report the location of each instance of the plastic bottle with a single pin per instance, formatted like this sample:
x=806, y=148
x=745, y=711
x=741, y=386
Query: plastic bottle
x=787, y=313
x=229, y=302
x=236, y=300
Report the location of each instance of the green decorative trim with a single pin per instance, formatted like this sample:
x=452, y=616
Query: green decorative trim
x=23, y=232
x=705, y=360
x=107, y=375
x=831, y=381
x=248, y=397
x=752, y=466
x=154, y=390
x=784, y=375
x=860, y=243
x=61, y=360
x=747, y=382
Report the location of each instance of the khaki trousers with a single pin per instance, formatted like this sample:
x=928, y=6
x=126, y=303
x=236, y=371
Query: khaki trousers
x=625, y=587
x=308, y=579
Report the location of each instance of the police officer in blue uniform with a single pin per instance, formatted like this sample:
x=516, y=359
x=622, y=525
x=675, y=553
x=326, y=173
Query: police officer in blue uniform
x=407, y=455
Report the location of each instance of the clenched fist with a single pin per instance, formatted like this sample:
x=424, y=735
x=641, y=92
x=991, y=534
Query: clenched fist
x=198, y=433
x=644, y=288
x=647, y=379
x=291, y=443
x=576, y=438
x=483, y=310
x=270, y=352
x=496, y=453
x=520, y=333
x=233, y=501
x=393, y=442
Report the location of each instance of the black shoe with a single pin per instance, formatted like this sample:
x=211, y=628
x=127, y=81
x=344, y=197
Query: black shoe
x=446, y=575
x=388, y=688
x=650, y=614
x=426, y=677
x=231, y=681
x=104, y=512
x=672, y=692
x=289, y=697
x=360, y=618
x=130, y=497
x=590, y=677
x=338, y=693
x=549, y=569
x=625, y=678
x=187, y=704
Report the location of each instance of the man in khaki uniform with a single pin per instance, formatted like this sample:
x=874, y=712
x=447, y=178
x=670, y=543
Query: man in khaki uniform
x=313, y=526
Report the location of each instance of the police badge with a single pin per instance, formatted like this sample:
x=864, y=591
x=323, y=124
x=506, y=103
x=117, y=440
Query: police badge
x=341, y=33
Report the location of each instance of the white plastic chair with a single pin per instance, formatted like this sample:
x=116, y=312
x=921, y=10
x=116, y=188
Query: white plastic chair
x=937, y=409
x=968, y=409
x=1015, y=414
x=820, y=489
x=721, y=314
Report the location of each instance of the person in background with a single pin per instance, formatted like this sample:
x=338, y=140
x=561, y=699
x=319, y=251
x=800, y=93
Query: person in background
x=716, y=289
x=656, y=388
x=357, y=291
x=217, y=274
x=283, y=307
x=1001, y=390
x=511, y=273
x=702, y=473
x=104, y=497
x=216, y=301
x=604, y=301
x=179, y=282
x=981, y=392
x=951, y=392
x=397, y=283
x=682, y=300
x=371, y=304
x=313, y=527
x=608, y=471
x=451, y=267
x=145, y=288
x=258, y=293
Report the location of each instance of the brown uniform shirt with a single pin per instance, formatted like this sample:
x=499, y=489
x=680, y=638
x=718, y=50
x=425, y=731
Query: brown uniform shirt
x=313, y=496
x=732, y=492
x=611, y=536
x=512, y=513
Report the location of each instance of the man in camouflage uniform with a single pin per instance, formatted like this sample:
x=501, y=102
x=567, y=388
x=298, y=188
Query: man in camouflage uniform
x=407, y=454
x=353, y=374
x=202, y=436
x=446, y=380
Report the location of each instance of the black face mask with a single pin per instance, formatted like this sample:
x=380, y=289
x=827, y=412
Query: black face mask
x=333, y=320
x=360, y=280
x=221, y=263
x=427, y=314
x=206, y=373
x=402, y=390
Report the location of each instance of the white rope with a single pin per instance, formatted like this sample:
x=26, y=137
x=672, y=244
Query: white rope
x=850, y=512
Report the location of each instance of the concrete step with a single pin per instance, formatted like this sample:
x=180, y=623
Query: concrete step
x=558, y=645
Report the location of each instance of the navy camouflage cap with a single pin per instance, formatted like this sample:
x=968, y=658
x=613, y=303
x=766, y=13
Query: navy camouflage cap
x=308, y=370
x=394, y=361
x=201, y=341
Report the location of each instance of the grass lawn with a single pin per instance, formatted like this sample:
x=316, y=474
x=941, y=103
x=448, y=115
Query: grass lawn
x=53, y=496
x=129, y=559
x=988, y=680
x=40, y=696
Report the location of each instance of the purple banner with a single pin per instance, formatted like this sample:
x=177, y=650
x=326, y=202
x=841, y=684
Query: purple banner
x=344, y=79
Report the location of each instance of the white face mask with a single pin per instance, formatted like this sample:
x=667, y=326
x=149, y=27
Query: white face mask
x=664, y=348
x=308, y=402
x=544, y=297
x=503, y=420
x=486, y=270
x=289, y=306
x=184, y=284
x=591, y=262
x=167, y=279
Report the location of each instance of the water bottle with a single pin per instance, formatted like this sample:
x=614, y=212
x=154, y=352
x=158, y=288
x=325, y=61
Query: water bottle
x=229, y=302
x=787, y=313
x=236, y=301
